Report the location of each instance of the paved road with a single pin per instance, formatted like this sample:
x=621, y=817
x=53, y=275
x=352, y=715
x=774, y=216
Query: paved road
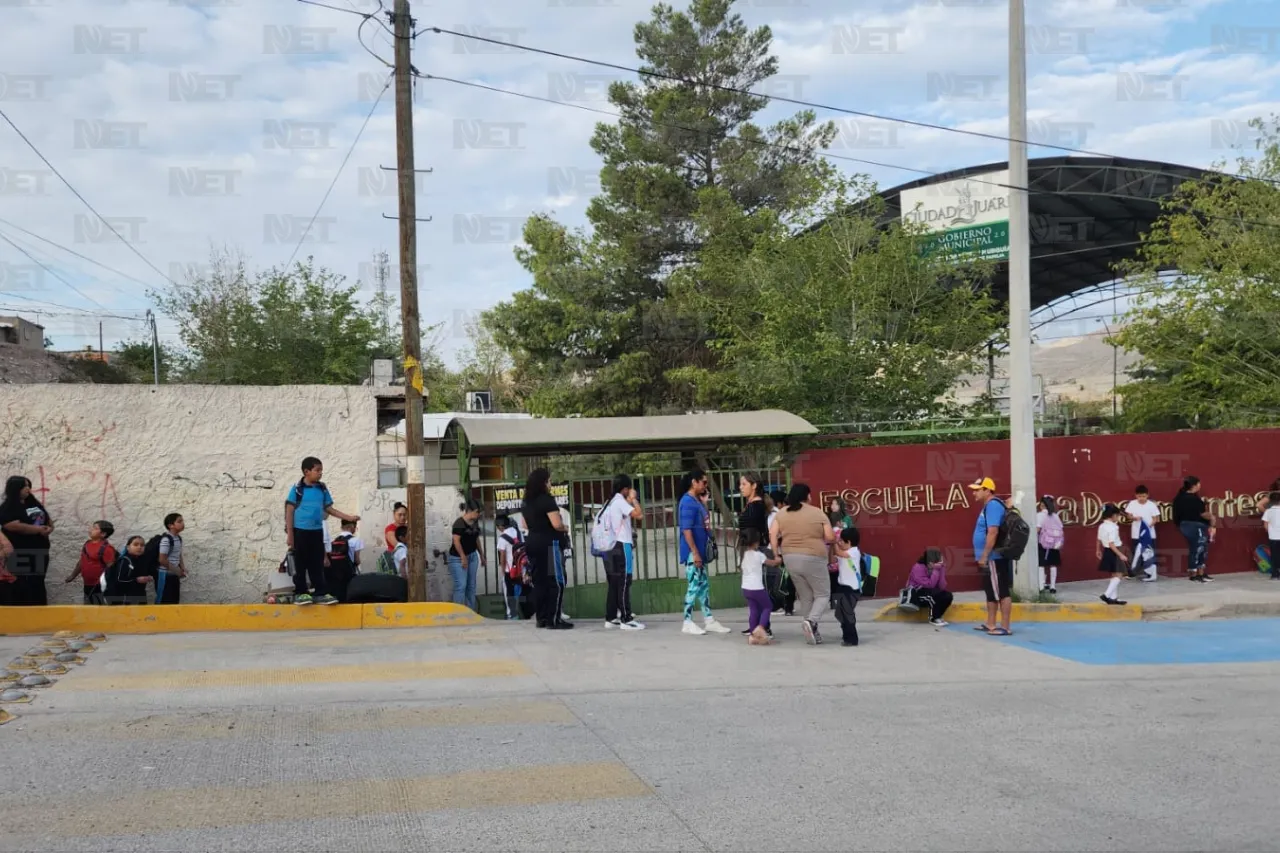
x=500, y=737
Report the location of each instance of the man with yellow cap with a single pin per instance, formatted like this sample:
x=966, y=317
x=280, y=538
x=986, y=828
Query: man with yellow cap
x=997, y=572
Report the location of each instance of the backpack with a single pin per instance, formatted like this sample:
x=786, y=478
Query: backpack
x=340, y=549
x=519, y=559
x=603, y=534
x=149, y=563
x=870, y=572
x=387, y=564
x=1051, y=534
x=1014, y=533
x=86, y=560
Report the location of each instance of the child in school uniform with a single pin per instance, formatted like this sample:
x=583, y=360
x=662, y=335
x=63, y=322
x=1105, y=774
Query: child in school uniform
x=1050, y=538
x=848, y=584
x=1111, y=557
x=124, y=584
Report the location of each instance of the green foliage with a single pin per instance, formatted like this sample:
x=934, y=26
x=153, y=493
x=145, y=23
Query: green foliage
x=1206, y=335
x=849, y=322
x=300, y=326
x=138, y=361
x=599, y=332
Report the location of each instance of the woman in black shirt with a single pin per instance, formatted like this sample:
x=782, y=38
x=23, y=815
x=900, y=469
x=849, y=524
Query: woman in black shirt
x=1197, y=524
x=544, y=548
x=465, y=555
x=755, y=516
x=27, y=524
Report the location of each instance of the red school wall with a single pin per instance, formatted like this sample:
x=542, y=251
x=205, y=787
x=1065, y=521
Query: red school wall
x=905, y=498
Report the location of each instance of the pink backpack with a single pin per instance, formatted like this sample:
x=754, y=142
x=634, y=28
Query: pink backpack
x=1051, y=533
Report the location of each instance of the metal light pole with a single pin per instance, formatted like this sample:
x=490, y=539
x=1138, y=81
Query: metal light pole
x=1022, y=448
x=155, y=346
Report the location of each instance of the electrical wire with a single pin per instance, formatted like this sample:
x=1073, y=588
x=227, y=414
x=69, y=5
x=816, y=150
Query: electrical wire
x=83, y=200
x=777, y=146
x=341, y=167
x=672, y=78
x=71, y=251
x=49, y=270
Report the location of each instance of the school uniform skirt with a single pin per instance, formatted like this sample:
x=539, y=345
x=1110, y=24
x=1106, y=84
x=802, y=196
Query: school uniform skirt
x=1110, y=563
x=1049, y=557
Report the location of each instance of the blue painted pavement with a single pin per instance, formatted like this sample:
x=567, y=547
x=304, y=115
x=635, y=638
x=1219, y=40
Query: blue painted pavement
x=1112, y=643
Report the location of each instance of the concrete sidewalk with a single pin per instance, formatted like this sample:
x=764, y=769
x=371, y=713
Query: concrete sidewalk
x=1237, y=594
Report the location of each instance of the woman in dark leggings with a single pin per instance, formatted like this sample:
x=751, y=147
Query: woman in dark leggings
x=1197, y=525
x=544, y=547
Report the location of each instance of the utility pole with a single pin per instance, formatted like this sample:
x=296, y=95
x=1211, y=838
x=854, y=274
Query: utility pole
x=1022, y=423
x=102, y=350
x=155, y=346
x=415, y=462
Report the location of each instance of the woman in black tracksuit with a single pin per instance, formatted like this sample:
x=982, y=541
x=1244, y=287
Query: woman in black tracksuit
x=544, y=548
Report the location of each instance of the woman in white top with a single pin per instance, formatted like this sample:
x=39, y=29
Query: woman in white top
x=619, y=563
x=1111, y=558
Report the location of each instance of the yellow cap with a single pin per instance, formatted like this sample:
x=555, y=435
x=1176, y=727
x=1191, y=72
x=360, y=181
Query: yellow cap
x=985, y=483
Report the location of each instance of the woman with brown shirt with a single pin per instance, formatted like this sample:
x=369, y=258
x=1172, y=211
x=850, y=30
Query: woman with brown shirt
x=801, y=534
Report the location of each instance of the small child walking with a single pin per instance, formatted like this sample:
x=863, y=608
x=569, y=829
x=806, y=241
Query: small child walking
x=1111, y=558
x=96, y=557
x=1050, y=539
x=759, y=604
x=848, y=584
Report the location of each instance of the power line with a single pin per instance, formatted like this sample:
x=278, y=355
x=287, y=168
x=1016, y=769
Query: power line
x=338, y=174
x=672, y=78
x=73, y=252
x=49, y=270
x=73, y=312
x=83, y=200
x=768, y=144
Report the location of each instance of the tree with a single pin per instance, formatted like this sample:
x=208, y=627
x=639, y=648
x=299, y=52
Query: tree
x=851, y=322
x=599, y=333
x=1206, y=333
x=301, y=325
x=138, y=360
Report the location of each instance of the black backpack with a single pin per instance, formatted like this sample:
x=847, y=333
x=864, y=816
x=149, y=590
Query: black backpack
x=149, y=563
x=1011, y=541
x=340, y=549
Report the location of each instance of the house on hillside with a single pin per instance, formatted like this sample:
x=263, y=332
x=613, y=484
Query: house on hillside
x=15, y=331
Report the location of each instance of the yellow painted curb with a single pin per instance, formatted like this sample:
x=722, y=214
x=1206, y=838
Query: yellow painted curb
x=975, y=611
x=188, y=618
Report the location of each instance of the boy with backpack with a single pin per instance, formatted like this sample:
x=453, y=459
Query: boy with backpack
x=344, y=561
x=513, y=562
x=170, y=565
x=396, y=562
x=96, y=557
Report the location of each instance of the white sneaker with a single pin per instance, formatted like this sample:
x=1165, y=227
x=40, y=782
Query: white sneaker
x=612, y=623
x=565, y=617
x=633, y=625
x=715, y=627
x=691, y=627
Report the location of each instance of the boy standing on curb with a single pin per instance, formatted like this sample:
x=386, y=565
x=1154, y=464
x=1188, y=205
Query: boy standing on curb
x=96, y=557
x=305, y=509
x=172, y=565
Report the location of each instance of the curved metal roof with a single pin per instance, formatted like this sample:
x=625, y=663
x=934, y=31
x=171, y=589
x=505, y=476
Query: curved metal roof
x=1087, y=214
x=644, y=434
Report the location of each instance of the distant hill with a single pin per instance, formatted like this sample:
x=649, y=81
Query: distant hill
x=1079, y=368
x=22, y=366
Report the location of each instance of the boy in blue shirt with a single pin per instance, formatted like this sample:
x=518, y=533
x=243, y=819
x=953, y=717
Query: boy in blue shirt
x=305, y=509
x=695, y=533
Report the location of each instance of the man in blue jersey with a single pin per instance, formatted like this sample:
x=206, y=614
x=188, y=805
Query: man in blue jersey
x=997, y=572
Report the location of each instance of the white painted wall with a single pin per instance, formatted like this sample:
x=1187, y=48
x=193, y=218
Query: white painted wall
x=222, y=456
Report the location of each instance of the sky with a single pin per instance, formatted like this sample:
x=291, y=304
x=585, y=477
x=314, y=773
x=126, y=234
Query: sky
x=193, y=124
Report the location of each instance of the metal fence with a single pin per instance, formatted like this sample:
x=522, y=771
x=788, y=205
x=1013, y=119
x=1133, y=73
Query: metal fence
x=656, y=536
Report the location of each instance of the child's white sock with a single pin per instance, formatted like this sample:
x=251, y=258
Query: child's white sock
x=1113, y=587
x=1042, y=577
x=1053, y=577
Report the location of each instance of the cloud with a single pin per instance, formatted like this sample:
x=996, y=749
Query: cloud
x=224, y=123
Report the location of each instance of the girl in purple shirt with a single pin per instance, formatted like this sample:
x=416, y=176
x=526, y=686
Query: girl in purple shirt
x=927, y=585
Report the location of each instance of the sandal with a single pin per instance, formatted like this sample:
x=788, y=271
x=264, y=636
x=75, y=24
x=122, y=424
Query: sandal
x=1000, y=632
x=983, y=628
